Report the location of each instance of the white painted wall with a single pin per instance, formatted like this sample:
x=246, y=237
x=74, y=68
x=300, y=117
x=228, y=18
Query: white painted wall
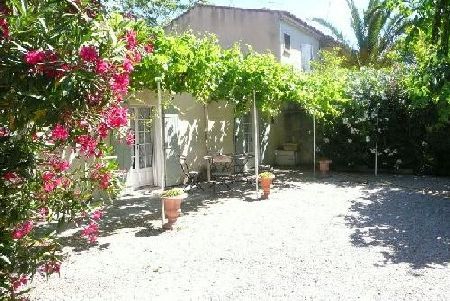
x=191, y=127
x=301, y=45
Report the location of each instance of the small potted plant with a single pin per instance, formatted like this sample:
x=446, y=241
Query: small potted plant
x=172, y=199
x=324, y=166
x=266, y=179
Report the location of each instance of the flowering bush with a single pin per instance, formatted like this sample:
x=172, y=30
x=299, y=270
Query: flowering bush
x=64, y=71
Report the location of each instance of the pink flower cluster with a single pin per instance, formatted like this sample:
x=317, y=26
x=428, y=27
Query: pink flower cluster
x=4, y=28
x=12, y=178
x=59, y=132
x=34, y=57
x=103, y=130
x=116, y=117
x=130, y=137
x=97, y=215
x=59, y=165
x=102, y=176
x=51, y=181
x=119, y=84
x=22, y=230
x=88, y=145
x=102, y=66
x=4, y=132
x=91, y=232
x=49, y=268
x=130, y=38
x=149, y=48
x=46, y=62
x=18, y=282
x=89, y=53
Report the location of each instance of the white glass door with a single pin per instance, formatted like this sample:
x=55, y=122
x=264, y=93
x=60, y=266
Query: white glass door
x=142, y=150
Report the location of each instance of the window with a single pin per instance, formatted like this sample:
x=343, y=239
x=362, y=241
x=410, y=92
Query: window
x=243, y=136
x=287, y=44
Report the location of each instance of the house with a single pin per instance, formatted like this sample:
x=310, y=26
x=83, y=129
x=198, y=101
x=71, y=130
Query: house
x=195, y=130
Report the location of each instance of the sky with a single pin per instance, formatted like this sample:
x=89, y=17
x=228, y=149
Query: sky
x=334, y=11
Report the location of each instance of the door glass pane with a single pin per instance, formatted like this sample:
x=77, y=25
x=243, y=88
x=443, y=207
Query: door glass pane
x=141, y=156
x=144, y=113
x=141, y=138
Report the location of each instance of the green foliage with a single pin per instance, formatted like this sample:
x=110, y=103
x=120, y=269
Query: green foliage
x=172, y=193
x=266, y=175
x=376, y=29
x=324, y=88
x=199, y=66
x=153, y=11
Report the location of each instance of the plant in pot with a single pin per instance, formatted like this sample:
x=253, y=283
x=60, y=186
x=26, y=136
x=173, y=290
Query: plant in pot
x=324, y=165
x=266, y=179
x=172, y=199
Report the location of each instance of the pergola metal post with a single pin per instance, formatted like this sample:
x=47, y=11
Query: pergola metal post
x=256, y=148
x=161, y=150
x=314, y=144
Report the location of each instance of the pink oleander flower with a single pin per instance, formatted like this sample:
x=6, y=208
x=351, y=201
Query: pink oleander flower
x=59, y=132
x=89, y=53
x=34, y=57
x=129, y=137
x=120, y=82
x=12, y=177
x=91, y=232
x=101, y=66
x=136, y=57
x=97, y=215
x=103, y=130
x=4, y=132
x=127, y=65
x=131, y=40
x=50, y=181
x=104, y=180
x=88, y=145
x=18, y=282
x=116, y=117
x=49, y=268
x=4, y=28
x=149, y=48
x=60, y=165
x=22, y=230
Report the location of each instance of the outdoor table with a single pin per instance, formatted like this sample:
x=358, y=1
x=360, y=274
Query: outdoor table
x=217, y=159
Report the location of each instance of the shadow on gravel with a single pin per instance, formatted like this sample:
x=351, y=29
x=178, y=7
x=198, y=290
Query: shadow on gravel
x=136, y=214
x=414, y=226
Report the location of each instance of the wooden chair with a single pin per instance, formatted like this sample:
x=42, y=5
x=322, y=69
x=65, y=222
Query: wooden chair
x=190, y=177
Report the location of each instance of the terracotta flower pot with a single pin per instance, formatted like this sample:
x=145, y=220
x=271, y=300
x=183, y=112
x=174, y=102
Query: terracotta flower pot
x=324, y=166
x=265, y=185
x=172, y=209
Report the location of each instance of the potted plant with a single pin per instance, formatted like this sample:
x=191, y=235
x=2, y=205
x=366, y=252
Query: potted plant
x=172, y=199
x=324, y=165
x=266, y=179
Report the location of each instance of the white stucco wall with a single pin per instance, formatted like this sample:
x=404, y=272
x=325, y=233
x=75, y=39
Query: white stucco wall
x=299, y=38
x=192, y=125
x=254, y=27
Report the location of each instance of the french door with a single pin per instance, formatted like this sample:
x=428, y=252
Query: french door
x=142, y=150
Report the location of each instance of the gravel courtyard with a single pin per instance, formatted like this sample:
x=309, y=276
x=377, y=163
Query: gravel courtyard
x=346, y=237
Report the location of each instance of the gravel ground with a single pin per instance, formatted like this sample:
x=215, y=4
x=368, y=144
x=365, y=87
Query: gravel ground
x=346, y=237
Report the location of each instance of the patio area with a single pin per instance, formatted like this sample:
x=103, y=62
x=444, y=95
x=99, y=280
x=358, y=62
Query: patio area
x=347, y=237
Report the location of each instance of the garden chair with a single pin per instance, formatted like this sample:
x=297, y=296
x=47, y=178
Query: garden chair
x=222, y=170
x=190, y=177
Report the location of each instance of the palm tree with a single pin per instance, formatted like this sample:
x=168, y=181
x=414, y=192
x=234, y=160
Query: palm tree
x=376, y=30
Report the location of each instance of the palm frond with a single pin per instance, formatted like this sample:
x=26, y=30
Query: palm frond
x=334, y=30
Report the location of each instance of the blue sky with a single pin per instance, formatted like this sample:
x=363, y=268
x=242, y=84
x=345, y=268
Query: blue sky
x=335, y=11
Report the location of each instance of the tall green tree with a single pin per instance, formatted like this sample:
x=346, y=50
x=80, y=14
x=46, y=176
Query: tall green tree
x=376, y=30
x=155, y=12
